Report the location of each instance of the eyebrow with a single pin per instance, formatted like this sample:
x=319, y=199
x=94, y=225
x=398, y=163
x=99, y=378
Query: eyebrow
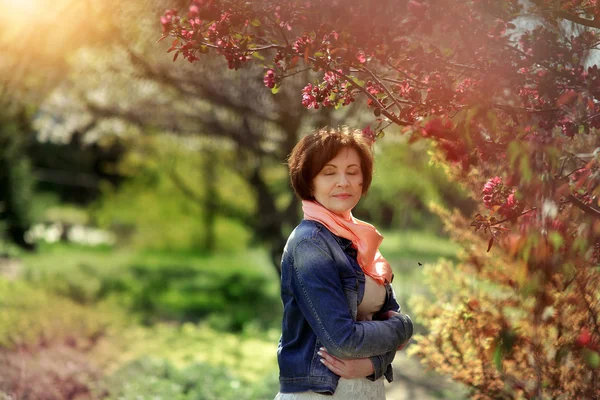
x=334, y=166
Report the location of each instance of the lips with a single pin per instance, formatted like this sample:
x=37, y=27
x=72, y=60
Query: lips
x=342, y=196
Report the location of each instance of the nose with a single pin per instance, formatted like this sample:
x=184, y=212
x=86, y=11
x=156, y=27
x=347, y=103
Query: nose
x=343, y=182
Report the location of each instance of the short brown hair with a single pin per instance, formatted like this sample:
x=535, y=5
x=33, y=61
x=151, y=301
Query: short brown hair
x=313, y=151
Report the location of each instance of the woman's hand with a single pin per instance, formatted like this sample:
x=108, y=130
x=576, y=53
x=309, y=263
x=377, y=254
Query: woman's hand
x=349, y=369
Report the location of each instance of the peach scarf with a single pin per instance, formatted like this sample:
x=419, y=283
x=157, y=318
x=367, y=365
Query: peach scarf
x=365, y=239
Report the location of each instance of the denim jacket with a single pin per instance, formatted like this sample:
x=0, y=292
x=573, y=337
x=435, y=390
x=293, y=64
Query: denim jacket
x=321, y=287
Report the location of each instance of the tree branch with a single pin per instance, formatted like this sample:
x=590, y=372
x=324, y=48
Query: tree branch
x=385, y=112
x=385, y=89
x=591, y=23
x=204, y=90
x=210, y=126
x=515, y=217
x=584, y=207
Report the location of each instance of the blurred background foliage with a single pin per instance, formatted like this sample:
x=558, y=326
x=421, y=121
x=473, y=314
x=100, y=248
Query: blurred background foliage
x=144, y=205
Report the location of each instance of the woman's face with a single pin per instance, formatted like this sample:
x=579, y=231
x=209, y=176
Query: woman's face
x=338, y=186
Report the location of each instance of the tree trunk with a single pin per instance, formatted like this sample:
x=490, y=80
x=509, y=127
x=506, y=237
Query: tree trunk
x=211, y=208
x=16, y=179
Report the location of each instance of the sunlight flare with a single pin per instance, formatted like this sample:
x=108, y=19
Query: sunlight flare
x=21, y=6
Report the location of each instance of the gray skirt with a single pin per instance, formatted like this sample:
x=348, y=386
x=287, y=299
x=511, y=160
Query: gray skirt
x=356, y=389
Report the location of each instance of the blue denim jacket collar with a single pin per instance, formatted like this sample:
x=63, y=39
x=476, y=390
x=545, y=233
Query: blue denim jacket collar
x=343, y=242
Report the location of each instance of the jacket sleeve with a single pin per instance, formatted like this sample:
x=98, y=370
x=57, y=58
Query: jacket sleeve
x=382, y=363
x=318, y=290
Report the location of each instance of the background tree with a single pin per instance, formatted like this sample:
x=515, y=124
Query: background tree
x=25, y=78
x=504, y=92
x=239, y=127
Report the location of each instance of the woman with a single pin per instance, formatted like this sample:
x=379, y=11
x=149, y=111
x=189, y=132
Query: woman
x=340, y=328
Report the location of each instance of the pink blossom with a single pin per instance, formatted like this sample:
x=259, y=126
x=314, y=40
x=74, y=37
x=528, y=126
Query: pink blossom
x=369, y=134
x=269, y=78
x=489, y=187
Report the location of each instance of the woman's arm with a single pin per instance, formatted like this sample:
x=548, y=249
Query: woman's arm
x=318, y=290
x=373, y=367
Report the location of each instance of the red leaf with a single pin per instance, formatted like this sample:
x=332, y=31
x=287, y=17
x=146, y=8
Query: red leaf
x=473, y=305
x=584, y=338
x=490, y=243
x=590, y=104
x=173, y=45
x=175, y=56
x=293, y=62
x=566, y=97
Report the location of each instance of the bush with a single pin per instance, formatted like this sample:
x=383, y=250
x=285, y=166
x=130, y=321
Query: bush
x=159, y=379
x=56, y=372
x=46, y=343
x=190, y=361
x=231, y=290
x=30, y=318
x=55, y=349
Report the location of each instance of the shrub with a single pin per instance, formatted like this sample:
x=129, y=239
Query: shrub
x=159, y=379
x=232, y=290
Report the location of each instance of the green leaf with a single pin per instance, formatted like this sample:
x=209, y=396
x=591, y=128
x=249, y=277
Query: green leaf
x=497, y=359
x=561, y=354
x=357, y=81
x=514, y=150
x=591, y=357
x=275, y=89
x=556, y=239
x=525, y=169
x=255, y=22
x=319, y=54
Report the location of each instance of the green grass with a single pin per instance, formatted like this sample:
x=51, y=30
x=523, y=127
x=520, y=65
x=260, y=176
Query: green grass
x=229, y=289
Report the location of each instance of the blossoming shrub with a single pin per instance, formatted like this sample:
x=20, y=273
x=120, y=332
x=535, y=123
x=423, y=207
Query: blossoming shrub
x=487, y=331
